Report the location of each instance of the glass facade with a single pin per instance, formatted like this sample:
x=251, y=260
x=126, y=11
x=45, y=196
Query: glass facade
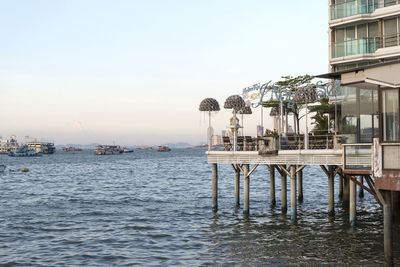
x=359, y=115
x=390, y=115
x=346, y=8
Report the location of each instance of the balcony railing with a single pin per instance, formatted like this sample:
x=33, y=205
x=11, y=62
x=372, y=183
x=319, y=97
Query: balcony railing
x=353, y=8
x=357, y=157
x=391, y=40
x=355, y=47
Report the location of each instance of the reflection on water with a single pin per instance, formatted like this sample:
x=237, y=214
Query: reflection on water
x=150, y=208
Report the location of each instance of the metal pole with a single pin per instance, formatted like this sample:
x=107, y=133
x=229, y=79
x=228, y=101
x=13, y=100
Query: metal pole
x=234, y=132
x=214, y=187
x=237, y=187
x=272, y=184
x=353, y=199
x=293, y=193
x=209, y=131
x=246, y=209
x=284, y=192
x=331, y=192
x=306, y=135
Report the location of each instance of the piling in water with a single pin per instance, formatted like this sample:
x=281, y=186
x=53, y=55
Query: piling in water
x=214, y=187
x=272, y=185
x=246, y=189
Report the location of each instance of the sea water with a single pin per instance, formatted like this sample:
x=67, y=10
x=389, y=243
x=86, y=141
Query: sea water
x=149, y=208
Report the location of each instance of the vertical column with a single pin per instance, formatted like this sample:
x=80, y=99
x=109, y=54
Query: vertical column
x=340, y=187
x=284, y=191
x=360, y=189
x=300, y=186
x=331, y=191
x=246, y=209
x=293, y=193
x=215, y=187
x=346, y=190
x=237, y=187
x=387, y=231
x=353, y=199
x=396, y=205
x=272, y=184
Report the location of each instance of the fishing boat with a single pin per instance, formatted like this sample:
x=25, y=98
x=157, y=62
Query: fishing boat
x=163, y=149
x=127, y=150
x=107, y=150
x=25, y=151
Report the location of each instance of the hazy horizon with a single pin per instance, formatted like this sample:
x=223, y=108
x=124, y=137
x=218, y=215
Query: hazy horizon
x=135, y=72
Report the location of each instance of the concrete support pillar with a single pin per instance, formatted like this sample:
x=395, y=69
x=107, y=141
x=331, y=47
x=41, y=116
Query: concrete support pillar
x=284, y=192
x=215, y=187
x=387, y=224
x=353, y=199
x=246, y=188
x=360, y=189
x=237, y=187
x=396, y=206
x=340, y=187
x=331, y=192
x=293, y=193
x=300, y=186
x=346, y=190
x=272, y=184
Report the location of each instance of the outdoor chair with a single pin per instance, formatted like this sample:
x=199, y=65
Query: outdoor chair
x=240, y=143
x=250, y=144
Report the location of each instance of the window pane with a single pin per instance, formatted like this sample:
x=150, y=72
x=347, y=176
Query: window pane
x=350, y=33
x=390, y=110
x=339, y=35
x=390, y=32
x=373, y=29
x=349, y=115
x=366, y=116
x=361, y=31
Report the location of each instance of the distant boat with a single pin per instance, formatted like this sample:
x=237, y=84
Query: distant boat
x=71, y=149
x=7, y=146
x=25, y=151
x=107, y=150
x=163, y=149
x=127, y=150
x=42, y=147
x=145, y=148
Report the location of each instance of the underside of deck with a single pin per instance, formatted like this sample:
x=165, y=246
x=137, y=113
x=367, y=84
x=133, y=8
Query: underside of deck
x=292, y=157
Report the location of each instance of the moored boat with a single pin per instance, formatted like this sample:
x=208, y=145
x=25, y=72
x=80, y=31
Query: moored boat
x=163, y=149
x=127, y=150
x=25, y=151
x=107, y=150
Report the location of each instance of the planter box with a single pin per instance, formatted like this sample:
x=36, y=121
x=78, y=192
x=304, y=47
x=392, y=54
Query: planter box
x=268, y=146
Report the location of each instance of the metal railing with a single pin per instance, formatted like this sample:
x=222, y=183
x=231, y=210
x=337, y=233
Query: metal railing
x=357, y=156
x=391, y=40
x=352, y=8
x=355, y=47
x=315, y=141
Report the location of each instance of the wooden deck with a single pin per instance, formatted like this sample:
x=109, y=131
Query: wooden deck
x=288, y=157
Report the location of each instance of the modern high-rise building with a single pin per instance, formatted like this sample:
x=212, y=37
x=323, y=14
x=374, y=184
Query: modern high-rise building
x=364, y=54
x=363, y=32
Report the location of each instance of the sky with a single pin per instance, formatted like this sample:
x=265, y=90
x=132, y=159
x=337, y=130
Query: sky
x=134, y=72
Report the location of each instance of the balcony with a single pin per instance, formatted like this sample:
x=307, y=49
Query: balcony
x=352, y=8
x=356, y=47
